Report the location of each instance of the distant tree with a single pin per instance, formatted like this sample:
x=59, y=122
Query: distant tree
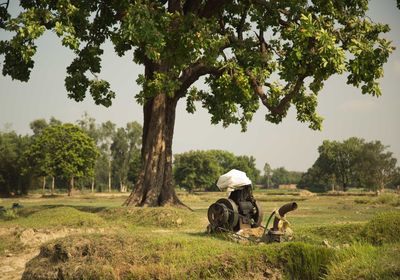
x=282, y=176
x=125, y=148
x=351, y=163
x=396, y=180
x=13, y=175
x=38, y=125
x=274, y=53
x=317, y=180
x=135, y=167
x=65, y=151
x=196, y=170
x=247, y=164
x=106, y=135
x=199, y=170
x=375, y=166
x=339, y=159
x=226, y=160
x=37, y=161
x=89, y=126
x=267, y=175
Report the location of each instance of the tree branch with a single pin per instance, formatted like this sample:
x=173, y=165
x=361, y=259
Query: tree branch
x=192, y=74
x=191, y=6
x=212, y=8
x=291, y=89
x=174, y=6
x=240, y=27
x=266, y=5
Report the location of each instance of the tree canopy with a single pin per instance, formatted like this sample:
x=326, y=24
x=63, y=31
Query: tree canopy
x=199, y=170
x=351, y=163
x=27, y=161
x=125, y=151
x=13, y=178
x=64, y=151
x=252, y=52
x=239, y=44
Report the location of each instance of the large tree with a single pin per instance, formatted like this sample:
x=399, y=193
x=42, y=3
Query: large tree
x=277, y=53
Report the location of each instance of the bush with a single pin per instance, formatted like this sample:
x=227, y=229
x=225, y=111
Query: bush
x=8, y=214
x=383, y=228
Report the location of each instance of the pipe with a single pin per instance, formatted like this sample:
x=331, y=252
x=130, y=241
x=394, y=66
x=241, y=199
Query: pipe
x=282, y=211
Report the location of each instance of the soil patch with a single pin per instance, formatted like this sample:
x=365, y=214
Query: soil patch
x=12, y=265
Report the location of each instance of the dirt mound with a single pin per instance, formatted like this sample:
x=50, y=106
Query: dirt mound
x=12, y=265
x=67, y=216
x=119, y=256
x=33, y=237
x=306, y=193
x=255, y=233
x=91, y=256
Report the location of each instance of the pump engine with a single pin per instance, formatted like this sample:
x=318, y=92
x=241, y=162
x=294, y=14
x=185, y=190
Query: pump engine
x=240, y=210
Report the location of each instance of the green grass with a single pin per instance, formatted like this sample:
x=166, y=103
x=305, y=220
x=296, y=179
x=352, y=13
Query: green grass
x=50, y=217
x=364, y=261
x=171, y=243
x=382, y=229
x=383, y=199
x=125, y=256
x=304, y=261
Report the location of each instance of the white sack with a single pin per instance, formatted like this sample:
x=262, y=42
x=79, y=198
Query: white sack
x=233, y=180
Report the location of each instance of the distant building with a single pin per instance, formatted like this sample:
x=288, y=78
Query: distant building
x=287, y=187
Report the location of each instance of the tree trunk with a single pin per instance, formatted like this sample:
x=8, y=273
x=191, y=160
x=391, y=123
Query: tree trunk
x=154, y=186
x=44, y=184
x=52, y=185
x=71, y=186
x=93, y=185
x=109, y=175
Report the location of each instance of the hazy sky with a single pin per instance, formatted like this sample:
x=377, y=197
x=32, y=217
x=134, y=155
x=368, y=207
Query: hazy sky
x=290, y=144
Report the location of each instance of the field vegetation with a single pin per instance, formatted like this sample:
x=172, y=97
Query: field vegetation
x=92, y=237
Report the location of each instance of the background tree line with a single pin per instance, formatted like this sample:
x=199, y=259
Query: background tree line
x=198, y=170
x=104, y=157
x=352, y=163
x=82, y=155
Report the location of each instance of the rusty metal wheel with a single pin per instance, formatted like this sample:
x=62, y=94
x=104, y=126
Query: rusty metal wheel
x=218, y=215
x=233, y=212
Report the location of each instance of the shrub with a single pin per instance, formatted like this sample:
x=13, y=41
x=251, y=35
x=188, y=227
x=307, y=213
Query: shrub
x=8, y=214
x=383, y=228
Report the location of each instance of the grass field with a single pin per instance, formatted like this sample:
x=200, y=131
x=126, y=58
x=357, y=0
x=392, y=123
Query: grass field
x=93, y=237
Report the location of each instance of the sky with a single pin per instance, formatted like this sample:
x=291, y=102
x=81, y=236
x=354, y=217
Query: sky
x=290, y=144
